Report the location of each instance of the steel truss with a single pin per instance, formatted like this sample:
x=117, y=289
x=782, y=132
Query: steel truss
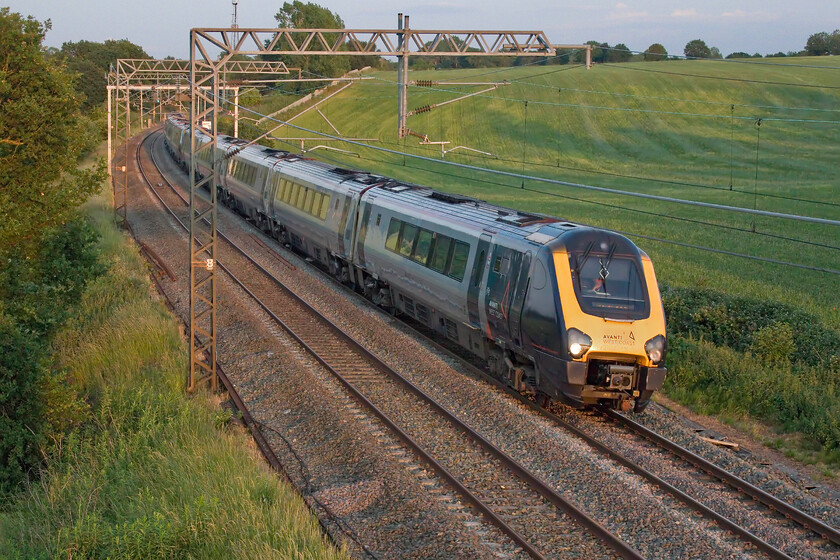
x=212, y=48
x=167, y=83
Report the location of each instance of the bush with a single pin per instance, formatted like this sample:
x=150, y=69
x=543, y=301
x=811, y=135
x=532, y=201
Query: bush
x=737, y=321
x=38, y=295
x=720, y=380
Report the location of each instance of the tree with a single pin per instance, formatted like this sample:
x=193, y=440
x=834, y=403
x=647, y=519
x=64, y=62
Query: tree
x=738, y=54
x=714, y=52
x=41, y=137
x=91, y=61
x=298, y=15
x=40, y=143
x=819, y=44
x=619, y=53
x=822, y=43
x=656, y=52
x=697, y=49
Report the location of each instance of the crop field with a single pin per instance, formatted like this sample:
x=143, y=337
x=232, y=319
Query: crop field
x=681, y=129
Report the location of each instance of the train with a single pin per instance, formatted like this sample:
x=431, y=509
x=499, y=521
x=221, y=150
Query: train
x=559, y=309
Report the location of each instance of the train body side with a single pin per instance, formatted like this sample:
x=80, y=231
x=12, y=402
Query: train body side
x=515, y=289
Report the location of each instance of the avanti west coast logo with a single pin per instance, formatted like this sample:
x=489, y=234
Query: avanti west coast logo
x=618, y=339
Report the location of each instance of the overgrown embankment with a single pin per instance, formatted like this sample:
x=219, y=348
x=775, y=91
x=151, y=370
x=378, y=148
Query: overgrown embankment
x=739, y=356
x=130, y=466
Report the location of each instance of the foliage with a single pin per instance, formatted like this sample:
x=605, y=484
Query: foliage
x=619, y=53
x=744, y=323
x=697, y=49
x=148, y=474
x=91, y=61
x=656, y=52
x=822, y=43
x=21, y=415
x=40, y=137
x=298, y=15
x=715, y=380
x=38, y=292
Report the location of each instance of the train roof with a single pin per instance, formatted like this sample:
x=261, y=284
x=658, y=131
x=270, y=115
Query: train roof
x=478, y=215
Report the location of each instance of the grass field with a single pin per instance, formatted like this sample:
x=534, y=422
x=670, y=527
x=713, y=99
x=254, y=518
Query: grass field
x=653, y=128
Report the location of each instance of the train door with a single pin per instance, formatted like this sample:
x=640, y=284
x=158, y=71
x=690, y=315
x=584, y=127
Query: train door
x=481, y=256
x=515, y=313
x=502, y=279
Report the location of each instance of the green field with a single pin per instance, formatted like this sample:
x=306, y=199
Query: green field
x=641, y=127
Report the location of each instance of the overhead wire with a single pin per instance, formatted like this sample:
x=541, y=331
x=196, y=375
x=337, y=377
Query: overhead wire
x=632, y=234
x=710, y=205
x=725, y=78
x=523, y=177
x=648, y=237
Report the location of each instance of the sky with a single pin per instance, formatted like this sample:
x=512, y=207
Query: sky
x=162, y=27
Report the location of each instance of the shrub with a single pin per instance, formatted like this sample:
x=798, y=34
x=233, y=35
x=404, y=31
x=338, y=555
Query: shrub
x=735, y=321
x=38, y=295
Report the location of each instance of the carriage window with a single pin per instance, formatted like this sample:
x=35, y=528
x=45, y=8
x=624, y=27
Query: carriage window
x=325, y=206
x=421, y=250
x=409, y=233
x=609, y=287
x=441, y=253
x=459, y=260
x=307, y=202
x=393, y=235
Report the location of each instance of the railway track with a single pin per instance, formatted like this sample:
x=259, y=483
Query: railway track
x=781, y=513
x=380, y=383
x=510, y=497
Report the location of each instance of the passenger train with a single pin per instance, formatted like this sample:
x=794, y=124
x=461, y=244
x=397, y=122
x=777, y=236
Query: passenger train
x=556, y=308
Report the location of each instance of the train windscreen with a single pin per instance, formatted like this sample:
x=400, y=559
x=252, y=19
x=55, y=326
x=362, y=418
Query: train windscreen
x=609, y=285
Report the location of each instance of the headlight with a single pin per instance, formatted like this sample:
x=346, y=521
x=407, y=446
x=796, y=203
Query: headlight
x=655, y=348
x=579, y=343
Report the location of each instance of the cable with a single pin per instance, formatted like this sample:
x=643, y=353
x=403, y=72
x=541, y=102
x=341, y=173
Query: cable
x=726, y=60
x=635, y=177
x=651, y=238
x=677, y=100
x=617, y=207
x=614, y=206
x=697, y=247
x=631, y=110
x=710, y=205
x=744, y=80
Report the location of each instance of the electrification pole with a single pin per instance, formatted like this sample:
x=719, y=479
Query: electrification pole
x=212, y=48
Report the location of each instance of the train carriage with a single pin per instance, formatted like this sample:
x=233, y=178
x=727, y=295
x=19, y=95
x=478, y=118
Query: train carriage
x=561, y=309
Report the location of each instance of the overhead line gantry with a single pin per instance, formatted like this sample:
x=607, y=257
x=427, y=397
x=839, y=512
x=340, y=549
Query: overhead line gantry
x=212, y=48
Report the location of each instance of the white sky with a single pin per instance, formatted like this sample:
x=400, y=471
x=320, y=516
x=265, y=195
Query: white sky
x=162, y=27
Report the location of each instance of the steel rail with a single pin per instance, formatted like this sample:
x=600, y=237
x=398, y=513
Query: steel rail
x=247, y=419
x=625, y=550
x=464, y=492
x=252, y=426
x=694, y=504
x=809, y=522
x=770, y=501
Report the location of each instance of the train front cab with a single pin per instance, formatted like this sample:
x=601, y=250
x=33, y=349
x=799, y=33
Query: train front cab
x=594, y=319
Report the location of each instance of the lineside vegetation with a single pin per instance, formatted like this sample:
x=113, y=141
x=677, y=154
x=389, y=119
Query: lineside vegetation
x=101, y=453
